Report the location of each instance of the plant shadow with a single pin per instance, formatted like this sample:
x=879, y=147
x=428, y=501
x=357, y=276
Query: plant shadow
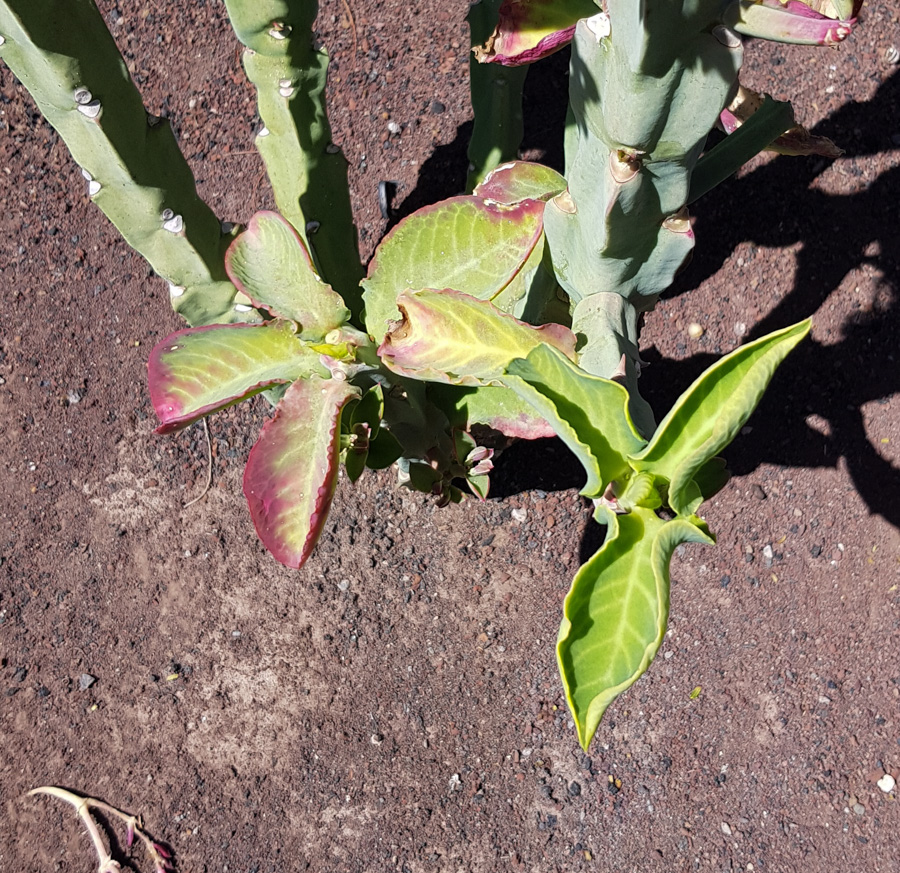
x=825, y=382
x=544, y=102
x=833, y=377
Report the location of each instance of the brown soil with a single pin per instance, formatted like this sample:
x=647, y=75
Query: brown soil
x=411, y=719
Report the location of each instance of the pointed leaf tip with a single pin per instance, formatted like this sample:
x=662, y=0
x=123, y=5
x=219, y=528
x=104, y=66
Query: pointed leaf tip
x=708, y=416
x=616, y=611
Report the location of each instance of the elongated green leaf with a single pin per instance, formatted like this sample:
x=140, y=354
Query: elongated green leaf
x=462, y=243
x=447, y=336
x=589, y=413
x=203, y=369
x=516, y=181
x=771, y=120
x=710, y=413
x=616, y=612
x=271, y=265
x=292, y=470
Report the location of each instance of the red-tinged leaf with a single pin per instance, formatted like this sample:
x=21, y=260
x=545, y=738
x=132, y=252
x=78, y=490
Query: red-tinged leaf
x=503, y=410
x=463, y=243
x=529, y=30
x=792, y=22
x=200, y=370
x=292, y=470
x=447, y=336
x=271, y=265
x=520, y=180
x=796, y=141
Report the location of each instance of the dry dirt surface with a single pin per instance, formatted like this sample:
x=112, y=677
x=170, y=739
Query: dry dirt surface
x=395, y=705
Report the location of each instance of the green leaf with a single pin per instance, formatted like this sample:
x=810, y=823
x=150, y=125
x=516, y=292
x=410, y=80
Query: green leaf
x=520, y=180
x=271, y=265
x=447, y=336
x=771, y=120
x=383, y=450
x=616, y=612
x=292, y=470
x=588, y=413
x=708, y=416
x=496, y=407
x=370, y=410
x=355, y=462
x=462, y=243
x=200, y=370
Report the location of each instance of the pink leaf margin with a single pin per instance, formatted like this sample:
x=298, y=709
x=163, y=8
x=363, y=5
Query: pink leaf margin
x=168, y=408
x=252, y=233
x=267, y=506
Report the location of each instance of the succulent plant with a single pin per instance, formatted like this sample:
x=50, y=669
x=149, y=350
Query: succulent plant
x=516, y=306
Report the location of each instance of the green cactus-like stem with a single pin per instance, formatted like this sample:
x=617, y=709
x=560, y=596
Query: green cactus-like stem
x=644, y=95
x=64, y=55
x=642, y=117
x=608, y=329
x=307, y=171
x=496, y=93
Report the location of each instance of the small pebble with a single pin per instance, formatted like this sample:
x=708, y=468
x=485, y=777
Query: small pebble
x=695, y=331
x=740, y=329
x=519, y=514
x=887, y=783
x=726, y=828
x=85, y=680
x=437, y=107
x=758, y=492
x=859, y=809
x=344, y=584
x=393, y=127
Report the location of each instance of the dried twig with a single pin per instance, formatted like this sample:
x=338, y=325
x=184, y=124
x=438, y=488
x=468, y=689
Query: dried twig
x=202, y=494
x=159, y=854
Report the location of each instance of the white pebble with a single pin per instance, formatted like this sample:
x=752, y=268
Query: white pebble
x=887, y=783
x=726, y=828
x=519, y=514
x=695, y=331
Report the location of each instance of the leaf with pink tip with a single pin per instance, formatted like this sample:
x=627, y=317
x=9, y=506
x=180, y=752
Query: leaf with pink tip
x=292, y=470
x=269, y=262
x=496, y=407
x=795, y=141
x=529, y=30
x=447, y=336
x=516, y=181
x=200, y=370
x=462, y=243
x=792, y=22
